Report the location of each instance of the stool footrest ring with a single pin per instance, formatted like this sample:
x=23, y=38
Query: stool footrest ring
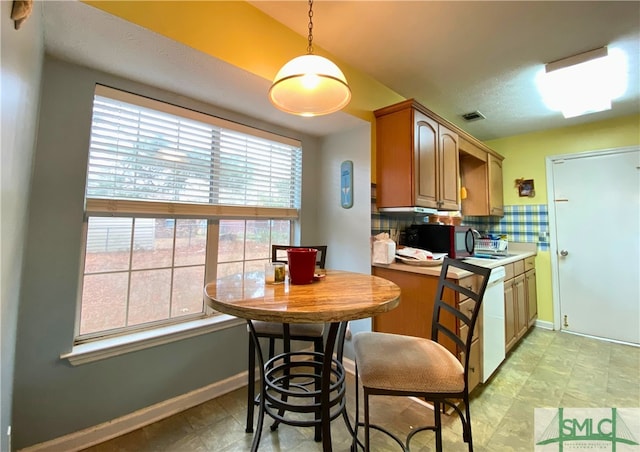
x=293, y=388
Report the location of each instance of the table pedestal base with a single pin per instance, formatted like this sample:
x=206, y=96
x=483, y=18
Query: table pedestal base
x=304, y=389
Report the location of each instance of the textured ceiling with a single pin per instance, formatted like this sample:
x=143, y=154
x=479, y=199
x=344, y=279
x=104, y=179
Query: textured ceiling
x=454, y=57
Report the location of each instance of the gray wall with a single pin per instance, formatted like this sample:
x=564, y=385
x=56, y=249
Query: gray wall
x=51, y=397
x=347, y=231
x=21, y=71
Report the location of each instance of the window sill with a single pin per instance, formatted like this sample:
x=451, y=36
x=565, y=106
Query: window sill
x=115, y=346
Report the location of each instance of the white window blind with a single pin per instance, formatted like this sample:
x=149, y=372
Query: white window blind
x=145, y=150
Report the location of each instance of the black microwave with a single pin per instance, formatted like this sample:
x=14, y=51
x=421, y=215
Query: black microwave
x=456, y=241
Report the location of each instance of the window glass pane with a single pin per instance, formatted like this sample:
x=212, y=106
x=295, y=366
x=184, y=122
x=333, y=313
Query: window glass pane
x=115, y=300
x=108, y=244
x=149, y=296
x=257, y=246
x=231, y=245
x=104, y=302
x=281, y=232
x=231, y=270
x=255, y=269
x=152, y=243
x=191, y=242
x=258, y=243
x=187, y=298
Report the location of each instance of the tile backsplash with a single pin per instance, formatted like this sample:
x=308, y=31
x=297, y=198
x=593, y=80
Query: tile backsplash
x=528, y=223
x=521, y=223
x=393, y=224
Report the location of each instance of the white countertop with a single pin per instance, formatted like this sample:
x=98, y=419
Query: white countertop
x=516, y=253
x=492, y=263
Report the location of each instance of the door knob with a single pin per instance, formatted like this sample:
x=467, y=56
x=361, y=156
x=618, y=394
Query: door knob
x=563, y=253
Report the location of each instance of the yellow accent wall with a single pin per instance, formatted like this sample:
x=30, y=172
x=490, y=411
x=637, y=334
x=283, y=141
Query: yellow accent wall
x=242, y=35
x=525, y=157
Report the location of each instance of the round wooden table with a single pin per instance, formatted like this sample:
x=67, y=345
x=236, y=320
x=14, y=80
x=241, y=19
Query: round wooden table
x=335, y=299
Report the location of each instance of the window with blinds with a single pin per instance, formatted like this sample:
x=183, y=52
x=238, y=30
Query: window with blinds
x=174, y=198
x=145, y=150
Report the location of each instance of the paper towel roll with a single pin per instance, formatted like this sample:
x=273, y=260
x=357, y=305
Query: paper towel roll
x=384, y=252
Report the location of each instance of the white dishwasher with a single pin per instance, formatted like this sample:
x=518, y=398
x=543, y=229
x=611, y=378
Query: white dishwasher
x=493, y=341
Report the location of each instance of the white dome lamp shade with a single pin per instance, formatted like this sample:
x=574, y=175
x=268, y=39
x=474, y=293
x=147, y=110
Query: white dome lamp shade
x=310, y=85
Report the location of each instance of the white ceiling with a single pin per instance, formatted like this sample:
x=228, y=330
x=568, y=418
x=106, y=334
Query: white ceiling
x=453, y=57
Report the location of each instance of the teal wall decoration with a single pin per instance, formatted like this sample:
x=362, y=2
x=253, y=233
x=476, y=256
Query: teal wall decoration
x=346, y=184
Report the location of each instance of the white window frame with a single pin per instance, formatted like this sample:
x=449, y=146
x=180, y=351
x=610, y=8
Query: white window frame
x=92, y=347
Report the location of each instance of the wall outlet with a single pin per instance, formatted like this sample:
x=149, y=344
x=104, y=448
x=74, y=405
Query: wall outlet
x=543, y=236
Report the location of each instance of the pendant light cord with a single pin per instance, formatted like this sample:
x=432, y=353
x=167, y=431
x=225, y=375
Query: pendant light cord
x=310, y=38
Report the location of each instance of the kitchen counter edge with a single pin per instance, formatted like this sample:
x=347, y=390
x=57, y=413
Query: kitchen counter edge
x=458, y=274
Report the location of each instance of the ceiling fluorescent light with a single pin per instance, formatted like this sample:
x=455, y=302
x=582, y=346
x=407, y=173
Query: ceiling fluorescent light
x=584, y=83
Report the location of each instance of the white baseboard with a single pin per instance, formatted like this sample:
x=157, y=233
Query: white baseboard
x=544, y=324
x=138, y=419
x=117, y=427
x=349, y=365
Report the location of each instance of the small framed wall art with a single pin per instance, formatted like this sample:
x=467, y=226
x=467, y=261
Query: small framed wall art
x=525, y=187
x=346, y=184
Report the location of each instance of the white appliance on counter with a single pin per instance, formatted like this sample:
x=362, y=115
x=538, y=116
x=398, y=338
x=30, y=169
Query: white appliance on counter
x=493, y=341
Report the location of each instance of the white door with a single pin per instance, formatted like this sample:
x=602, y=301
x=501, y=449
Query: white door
x=597, y=224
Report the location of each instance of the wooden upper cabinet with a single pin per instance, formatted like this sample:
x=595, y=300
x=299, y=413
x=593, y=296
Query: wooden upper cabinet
x=425, y=156
x=481, y=176
x=417, y=159
x=449, y=173
x=496, y=197
x=394, y=169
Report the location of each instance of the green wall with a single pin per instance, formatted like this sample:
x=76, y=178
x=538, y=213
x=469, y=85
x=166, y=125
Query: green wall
x=525, y=157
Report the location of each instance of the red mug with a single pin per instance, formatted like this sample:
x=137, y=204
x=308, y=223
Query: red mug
x=302, y=265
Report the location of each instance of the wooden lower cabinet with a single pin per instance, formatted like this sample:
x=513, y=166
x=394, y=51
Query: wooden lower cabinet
x=515, y=310
x=414, y=314
x=509, y=315
x=475, y=364
x=520, y=301
x=475, y=360
x=532, y=296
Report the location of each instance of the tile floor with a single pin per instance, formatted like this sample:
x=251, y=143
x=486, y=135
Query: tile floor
x=546, y=369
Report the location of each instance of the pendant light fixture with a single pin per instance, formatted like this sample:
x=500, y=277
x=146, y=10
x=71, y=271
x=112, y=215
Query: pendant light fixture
x=310, y=85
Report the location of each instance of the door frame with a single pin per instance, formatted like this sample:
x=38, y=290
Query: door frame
x=553, y=242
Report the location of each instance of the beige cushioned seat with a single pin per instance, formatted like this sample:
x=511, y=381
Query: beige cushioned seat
x=295, y=329
x=401, y=365
x=406, y=363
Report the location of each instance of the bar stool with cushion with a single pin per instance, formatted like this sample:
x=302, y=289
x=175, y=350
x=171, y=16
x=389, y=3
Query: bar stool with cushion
x=312, y=332
x=397, y=365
